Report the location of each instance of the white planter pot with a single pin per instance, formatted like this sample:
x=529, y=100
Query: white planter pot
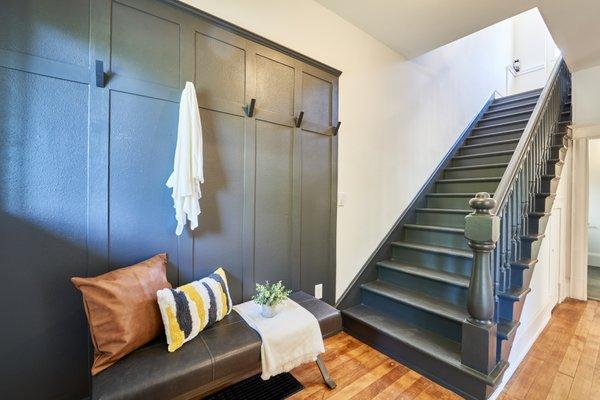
x=268, y=311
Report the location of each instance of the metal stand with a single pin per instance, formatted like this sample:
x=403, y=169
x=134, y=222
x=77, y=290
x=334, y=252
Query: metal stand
x=326, y=377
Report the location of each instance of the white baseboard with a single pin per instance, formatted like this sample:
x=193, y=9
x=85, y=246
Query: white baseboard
x=594, y=259
x=523, y=344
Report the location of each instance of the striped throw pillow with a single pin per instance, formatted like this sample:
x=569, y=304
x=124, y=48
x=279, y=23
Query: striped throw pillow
x=191, y=308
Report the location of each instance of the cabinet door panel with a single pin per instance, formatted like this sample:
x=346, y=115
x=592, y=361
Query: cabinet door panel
x=316, y=211
x=220, y=73
x=273, y=217
x=143, y=133
x=218, y=238
x=316, y=103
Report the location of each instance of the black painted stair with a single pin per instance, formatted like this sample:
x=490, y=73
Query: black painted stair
x=414, y=306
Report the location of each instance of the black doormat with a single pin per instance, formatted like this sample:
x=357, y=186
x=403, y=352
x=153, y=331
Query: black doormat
x=277, y=388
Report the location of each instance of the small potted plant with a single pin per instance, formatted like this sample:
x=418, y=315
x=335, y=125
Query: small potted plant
x=269, y=296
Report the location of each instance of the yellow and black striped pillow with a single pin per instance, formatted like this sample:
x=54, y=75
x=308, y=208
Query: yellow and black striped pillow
x=191, y=308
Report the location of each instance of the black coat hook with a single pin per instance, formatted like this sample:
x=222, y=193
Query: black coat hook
x=299, y=119
x=249, y=110
x=336, y=128
x=100, y=81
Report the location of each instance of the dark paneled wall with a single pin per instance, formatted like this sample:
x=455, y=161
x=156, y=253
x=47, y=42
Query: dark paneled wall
x=83, y=168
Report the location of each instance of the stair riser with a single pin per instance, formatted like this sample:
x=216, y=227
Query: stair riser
x=508, y=308
x=441, y=219
x=436, y=238
x=538, y=225
x=490, y=159
x=549, y=185
x=487, y=149
x=425, y=320
x=466, y=187
x=558, y=152
x=530, y=249
x=500, y=119
x=439, y=290
x=445, y=262
x=517, y=277
x=558, y=139
x=458, y=202
x=496, y=128
x=554, y=168
x=503, y=349
x=495, y=138
x=509, y=111
x=544, y=204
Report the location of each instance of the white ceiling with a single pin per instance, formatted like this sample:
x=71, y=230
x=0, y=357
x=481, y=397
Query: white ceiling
x=414, y=27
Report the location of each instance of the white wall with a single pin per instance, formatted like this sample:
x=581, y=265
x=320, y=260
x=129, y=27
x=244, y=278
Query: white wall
x=594, y=200
x=398, y=117
x=534, y=47
x=586, y=96
x=549, y=284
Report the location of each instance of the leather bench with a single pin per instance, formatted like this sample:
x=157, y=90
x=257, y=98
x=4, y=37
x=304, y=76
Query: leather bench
x=225, y=353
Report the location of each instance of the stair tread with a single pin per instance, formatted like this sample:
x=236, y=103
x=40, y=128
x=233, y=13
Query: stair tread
x=473, y=194
x=505, y=116
x=525, y=262
x=530, y=104
x=533, y=237
x=435, y=346
x=514, y=293
x=479, y=166
x=486, y=135
x=499, y=142
x=479, y=179
x=516, y=97
x=434, y=249
x=429, y=273
x=490, y=154
x=538, y=214
x=506, y=328
x=444, y=210
x=417, y=300
x=519, y=121
x=434, y=228
x=428, y=342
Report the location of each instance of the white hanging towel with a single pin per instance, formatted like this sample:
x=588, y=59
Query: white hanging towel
x=188, y=172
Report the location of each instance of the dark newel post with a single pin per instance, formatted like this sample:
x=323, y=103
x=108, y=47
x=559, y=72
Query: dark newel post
x=482, y=230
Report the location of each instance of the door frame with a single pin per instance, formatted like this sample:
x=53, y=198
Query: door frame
x=579, y=208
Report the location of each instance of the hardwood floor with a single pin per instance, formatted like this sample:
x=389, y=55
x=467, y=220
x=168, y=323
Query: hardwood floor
x=563, y=363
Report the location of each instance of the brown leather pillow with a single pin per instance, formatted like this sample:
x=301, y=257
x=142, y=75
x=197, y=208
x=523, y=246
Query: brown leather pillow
x=122, y=310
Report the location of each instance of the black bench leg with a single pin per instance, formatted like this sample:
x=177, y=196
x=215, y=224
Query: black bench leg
x=321, y=364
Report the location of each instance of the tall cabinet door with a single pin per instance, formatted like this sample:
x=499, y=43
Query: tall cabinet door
x=220, y=80
x=318, y=177
x=270, y=165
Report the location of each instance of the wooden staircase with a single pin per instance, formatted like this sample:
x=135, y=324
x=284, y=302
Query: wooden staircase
x=413, y=300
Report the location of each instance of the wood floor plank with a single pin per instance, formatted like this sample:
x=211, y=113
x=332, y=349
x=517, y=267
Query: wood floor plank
x=564, y=363
x=560, y=387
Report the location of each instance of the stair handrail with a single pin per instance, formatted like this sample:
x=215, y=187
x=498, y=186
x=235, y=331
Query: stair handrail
x=511, y=173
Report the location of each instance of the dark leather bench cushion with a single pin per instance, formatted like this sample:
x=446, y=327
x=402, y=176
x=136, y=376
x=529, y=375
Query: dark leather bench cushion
x=223, y=354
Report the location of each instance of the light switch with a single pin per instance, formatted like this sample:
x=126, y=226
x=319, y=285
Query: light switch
x=319, y=291
x=341, y=199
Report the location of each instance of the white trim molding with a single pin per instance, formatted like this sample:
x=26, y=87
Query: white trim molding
x=581, y=135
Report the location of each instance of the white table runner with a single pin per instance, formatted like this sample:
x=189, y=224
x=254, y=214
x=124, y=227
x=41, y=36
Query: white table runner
x=289, y=339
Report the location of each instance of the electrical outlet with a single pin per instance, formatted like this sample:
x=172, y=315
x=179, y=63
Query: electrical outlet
x=319, y=291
